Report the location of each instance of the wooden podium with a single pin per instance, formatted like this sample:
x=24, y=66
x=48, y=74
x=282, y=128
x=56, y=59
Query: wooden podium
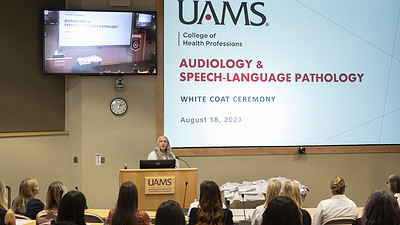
x=158, y=185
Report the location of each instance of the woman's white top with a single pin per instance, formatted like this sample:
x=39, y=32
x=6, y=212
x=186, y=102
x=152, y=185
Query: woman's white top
x=397, y=195
x=257, y=214
x=337, y=206
x=153, y=156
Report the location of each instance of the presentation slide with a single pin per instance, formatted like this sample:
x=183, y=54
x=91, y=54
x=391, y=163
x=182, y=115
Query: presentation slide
x=281, y=73
x=86, y=28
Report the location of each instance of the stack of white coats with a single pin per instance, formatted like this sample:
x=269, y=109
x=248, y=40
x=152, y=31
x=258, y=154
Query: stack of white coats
x=254, y=191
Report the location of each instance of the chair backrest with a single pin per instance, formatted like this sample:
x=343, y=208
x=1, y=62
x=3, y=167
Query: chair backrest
x=9, y=196
x=339, y=221
x=19, y=216
x=93, y=218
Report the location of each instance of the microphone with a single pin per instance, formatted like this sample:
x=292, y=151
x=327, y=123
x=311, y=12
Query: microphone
x=185, y=210
x=244, y=211
x=125, y=166
x=176, y=157
x=227, y=203
x=76, y=188
x=245, y=221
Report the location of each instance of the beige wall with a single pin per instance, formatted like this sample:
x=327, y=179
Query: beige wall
x=45, y=158
x=125, y=140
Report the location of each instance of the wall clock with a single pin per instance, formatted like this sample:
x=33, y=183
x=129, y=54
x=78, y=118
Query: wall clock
x=118, y=106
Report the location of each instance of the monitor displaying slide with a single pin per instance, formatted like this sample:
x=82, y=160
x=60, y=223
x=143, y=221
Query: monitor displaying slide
x=281, y=73
x=96, y=42
x=91, y=28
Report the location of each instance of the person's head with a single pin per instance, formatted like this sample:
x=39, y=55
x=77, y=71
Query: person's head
x=27, y=190
x=394, y=183
x=381, y=208
x=338, y=186
x=291, y=189
x=281, y=210
x=127, y=204
x=210, y=203
x=3, y=199
x=72, y=208
x=54, y=194
x=273, y=189
x=210, y=195
x=29, y=187
x=163, y=144
x=170, y=213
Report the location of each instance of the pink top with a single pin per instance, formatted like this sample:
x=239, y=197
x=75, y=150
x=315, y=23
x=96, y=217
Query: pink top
x=45, y=217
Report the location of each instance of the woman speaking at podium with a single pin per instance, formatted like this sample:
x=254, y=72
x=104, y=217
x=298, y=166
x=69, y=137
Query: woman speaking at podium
x=162, y=151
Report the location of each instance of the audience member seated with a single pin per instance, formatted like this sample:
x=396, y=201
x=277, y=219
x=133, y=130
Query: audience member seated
x=292, y=190
x=196, y=203
x=72, y=208
x=126, y=209
x=53, y=197
x=273, y=189
x=170, y=213
x=381, y=209
x=26, y=204
x=6, y=216
x=337, y=206
x=281, y=210
x=210, y=207
x=394, y=186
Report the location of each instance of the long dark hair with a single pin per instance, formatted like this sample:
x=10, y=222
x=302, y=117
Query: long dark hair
x=281, y=210
x=210, y=211
x=127, y=205
x=381, y=208
x=170, y=213
x=72, y=208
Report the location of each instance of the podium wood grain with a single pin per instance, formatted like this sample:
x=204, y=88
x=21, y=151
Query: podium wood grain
x=151, y=202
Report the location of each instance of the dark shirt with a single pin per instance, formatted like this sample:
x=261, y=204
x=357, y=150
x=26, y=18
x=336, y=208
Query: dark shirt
x=228, y=216
x=33, y=207
x=2, y=215
x=357, y=221
x=306, y=217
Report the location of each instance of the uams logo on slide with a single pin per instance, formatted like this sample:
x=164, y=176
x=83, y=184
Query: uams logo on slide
x=208, y=12
x=159, y=185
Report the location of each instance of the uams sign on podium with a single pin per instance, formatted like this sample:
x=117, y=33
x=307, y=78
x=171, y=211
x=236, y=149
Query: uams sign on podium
x=159, y=185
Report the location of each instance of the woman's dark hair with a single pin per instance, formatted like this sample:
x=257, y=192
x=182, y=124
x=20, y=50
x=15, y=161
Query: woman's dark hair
x=72, y=208
x=281, y=210
x=170, y=213
x=210, y=211
x=381, y=208
x=127, y=205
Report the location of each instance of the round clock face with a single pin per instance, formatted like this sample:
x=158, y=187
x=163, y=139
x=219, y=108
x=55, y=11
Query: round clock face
x=118, y=106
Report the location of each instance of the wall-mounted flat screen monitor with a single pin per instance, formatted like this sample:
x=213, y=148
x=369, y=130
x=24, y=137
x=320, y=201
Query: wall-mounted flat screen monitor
x=157, y=164
x=99, y=42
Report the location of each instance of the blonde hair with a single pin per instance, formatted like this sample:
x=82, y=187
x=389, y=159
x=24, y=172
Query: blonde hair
x=168, y=152
x=292, y=190
x=26, y=189
x=273, y=189
x=337, y=186
x=3, y=199
x=54, y=194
